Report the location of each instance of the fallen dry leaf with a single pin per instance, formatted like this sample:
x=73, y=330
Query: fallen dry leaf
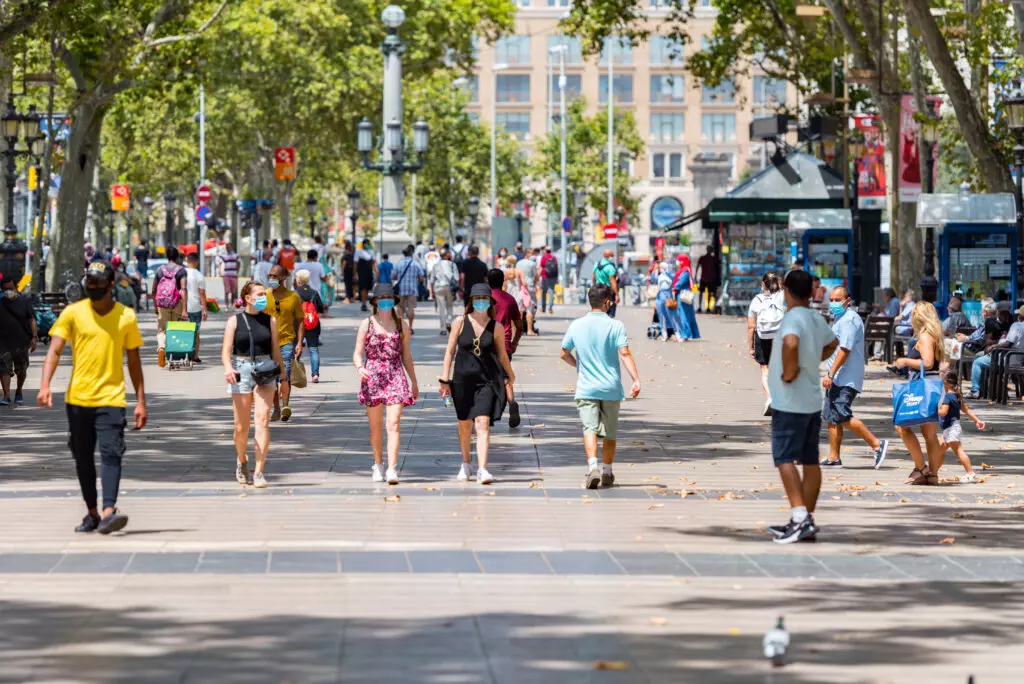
x=534, y=485
x=430, y=489
x=904, y=500
x=986, y=466
x=242, y=495
x=880, y=484
x=958, y=516
x=734, y=631
x=610, y=665
x=393, y=499
x=638, y=442
x=948, y=540
x=654, y=506
x=659, y=621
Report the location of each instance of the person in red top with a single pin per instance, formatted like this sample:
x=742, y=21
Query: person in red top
x=506, y=312
x=286, y=257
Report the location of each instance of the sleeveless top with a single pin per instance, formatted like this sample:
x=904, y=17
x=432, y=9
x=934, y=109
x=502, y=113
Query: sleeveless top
x=260, y=324
x=476, y=360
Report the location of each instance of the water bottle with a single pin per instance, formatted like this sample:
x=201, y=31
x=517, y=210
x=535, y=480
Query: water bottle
x=775, y=643
x=448, y=403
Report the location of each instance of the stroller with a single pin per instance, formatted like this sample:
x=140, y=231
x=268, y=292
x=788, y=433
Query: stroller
x=181, y=344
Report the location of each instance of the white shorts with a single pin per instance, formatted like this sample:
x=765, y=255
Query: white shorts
x=952, y=433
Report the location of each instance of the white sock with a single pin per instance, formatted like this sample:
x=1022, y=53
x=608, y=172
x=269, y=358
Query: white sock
x=799, y=514
x=592, y=463
x=606, y=468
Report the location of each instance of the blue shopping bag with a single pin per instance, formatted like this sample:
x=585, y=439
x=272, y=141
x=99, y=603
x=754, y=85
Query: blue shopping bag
x=916, y=402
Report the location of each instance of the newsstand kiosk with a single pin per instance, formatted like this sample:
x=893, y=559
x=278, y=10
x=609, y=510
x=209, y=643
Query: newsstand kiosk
x=825, y=238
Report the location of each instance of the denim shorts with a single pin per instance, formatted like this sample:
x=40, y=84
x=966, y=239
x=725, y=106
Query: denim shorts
x=246, y=383
x=287, y=356
x=838, y=406
x=795, y=437
x=196, y=318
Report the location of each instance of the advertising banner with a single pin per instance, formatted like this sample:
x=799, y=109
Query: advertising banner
x=910, y=148
x=870, y=166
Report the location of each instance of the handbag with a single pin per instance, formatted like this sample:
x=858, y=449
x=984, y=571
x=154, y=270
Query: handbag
x=954, y=350
x=916, y=402
x=298, y=374
x=652, y=291
x=686, y=296
x=671, y=303
x=265, y=370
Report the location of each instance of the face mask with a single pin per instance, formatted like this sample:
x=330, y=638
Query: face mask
x=96, y=293
x=260, y=303
x=836, y=308
x=386, y=304
x=10, y=294
x=274, y=284
x=481, y=305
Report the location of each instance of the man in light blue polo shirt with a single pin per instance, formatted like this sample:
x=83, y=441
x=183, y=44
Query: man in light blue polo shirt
x=845, y=380
x=593, y=345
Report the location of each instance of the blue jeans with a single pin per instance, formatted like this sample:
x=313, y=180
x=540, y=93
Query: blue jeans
x=977, y=368
x=314, y=360
x=287, y=356
x=547, y=287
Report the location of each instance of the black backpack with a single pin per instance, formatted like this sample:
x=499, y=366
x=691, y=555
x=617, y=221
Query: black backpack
x=551, y=268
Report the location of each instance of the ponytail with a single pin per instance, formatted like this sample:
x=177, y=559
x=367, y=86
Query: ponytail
x=953, y=379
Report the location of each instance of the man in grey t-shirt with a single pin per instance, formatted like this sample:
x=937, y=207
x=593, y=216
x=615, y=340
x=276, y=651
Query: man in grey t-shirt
x=528, y=267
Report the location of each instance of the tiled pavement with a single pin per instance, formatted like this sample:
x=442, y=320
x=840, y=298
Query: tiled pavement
x=325, y=577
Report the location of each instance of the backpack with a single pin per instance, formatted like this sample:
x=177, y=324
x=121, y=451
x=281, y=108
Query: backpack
x=769, y=318
x=551, y=268
x=167, y=292
x=309, y=315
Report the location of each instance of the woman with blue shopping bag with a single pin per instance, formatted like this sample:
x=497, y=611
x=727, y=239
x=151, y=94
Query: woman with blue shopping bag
x=916, y=403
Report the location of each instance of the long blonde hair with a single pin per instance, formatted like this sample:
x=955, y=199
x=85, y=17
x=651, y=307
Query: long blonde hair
x=924, y=319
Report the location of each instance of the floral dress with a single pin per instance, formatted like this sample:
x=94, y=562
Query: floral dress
x=388, y=383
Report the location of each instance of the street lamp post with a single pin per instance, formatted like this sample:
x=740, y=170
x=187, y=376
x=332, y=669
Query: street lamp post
x=393, y=146
x=1014, y=106
x=353, y=207
x=311, y=212
x=520, y=217
x=580, y=201
x=170, y=204
x=474, y=212
x=147, y=215
x=929, y=136
x=13, y=251
x=494, y=144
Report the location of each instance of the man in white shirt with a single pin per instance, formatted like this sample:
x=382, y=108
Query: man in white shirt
x=195, y=298
x=261, y=272
x=444, y=283
x=802, y=342
x=315, y=268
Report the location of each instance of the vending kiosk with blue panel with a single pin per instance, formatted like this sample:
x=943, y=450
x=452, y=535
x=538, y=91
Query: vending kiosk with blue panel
x=976, y=237
x=825, y=239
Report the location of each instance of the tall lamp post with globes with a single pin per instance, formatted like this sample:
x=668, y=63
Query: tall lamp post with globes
x=1013, y=104
x=353, y=207
x=930, y=137
x=579, y=198
x=26, y=127
x=170, y=204
x=147, y=215
x=393, y=146
x=474, y=211
x=311, y=212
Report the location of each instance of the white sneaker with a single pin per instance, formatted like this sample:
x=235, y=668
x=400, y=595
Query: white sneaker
x=484, y=477
x=392, y=476
x=969, y=478
x=378, y=472
x=466, y=472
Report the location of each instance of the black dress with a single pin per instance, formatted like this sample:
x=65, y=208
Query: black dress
x=478, y=387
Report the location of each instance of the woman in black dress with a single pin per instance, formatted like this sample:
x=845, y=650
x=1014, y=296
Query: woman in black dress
x=477, y=384
x=348, y=271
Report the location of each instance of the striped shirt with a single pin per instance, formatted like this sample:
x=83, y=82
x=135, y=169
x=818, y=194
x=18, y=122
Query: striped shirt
x=230, y=263
x=407, y=276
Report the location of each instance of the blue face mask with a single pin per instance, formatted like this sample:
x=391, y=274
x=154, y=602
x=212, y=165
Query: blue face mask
x=481, y=305
x=836, y=309
x=273, y=284
x=260, y=303
x=385, y=304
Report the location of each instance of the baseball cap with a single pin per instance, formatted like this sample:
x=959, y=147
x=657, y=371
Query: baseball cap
x=100, y=270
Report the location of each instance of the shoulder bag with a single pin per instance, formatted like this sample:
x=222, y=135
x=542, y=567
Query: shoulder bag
x=265, y=370
x=916, y=402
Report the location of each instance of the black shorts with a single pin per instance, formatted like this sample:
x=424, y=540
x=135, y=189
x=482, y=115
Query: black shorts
x=795, y=437
x=762, y=350
x=838, y=406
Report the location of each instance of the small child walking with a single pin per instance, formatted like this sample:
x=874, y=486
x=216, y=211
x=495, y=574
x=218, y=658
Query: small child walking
x=950, y=407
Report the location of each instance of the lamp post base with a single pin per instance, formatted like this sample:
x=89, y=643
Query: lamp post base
x=394, y=235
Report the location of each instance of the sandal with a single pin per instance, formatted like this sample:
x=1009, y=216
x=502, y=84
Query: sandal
x=931, y=479
x=918, y=479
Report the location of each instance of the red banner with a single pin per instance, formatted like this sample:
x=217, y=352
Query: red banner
x=910, y=148
x=871, y=163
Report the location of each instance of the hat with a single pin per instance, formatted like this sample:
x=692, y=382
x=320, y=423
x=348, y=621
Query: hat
x=382, y=290
x=480, y=290
x=100, y=270
x=1020, y=311
x=1003, y=306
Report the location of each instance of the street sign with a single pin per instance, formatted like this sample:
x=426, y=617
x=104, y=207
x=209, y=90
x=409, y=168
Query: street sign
x=203, y=193
x=611, y=230
x=120, y=197
x=203, y=213
x=567, y=224
x=285, y=163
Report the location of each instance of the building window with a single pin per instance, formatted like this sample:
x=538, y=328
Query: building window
x=573, y=56
x=523, y=3
x=665, y=50
x=517, y=124
x=558, y=3
x=573, y=87
x=512, y=50
x=723, y=93
x=667, y=88
x=675, y=165
x=472, y=88
x=658, y=165
x=667, y=127
x=666, y=4
x=718, y=128
x=622, y=50
x=622, y=85
x=513, y=88
x=770, y=92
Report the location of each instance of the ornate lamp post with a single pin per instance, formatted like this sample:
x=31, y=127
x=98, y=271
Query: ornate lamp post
x=929, y=136
x=26, y=127
x=311, y=212
x=147, y=215
x=392, y=146
x=474, y=211
x=1013, y=105
x=353, y=206
x=520, y=217
x=579, y=198
x=170, y=204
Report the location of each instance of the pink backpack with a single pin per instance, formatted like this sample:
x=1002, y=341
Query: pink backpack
x=167, y=293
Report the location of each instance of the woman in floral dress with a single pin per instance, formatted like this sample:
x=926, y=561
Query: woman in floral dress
x=383, y=359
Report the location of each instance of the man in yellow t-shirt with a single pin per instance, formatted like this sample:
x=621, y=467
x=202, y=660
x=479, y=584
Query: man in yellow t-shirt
x=286, y=307
x=100, y=331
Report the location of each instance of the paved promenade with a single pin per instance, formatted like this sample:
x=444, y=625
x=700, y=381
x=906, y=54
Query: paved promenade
x=667, y=577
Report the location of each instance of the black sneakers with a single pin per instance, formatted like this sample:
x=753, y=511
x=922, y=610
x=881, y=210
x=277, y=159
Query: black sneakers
x=112, y=523
x=514, y=419
x=88, y=524
x=794, y=532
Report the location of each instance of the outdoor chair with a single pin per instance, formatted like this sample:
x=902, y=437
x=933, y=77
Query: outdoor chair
x=880, y=329
x=1007, y=365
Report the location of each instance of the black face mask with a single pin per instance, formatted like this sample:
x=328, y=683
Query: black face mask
x=96, y=293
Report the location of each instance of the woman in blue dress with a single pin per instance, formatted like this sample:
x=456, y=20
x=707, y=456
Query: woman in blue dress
x=668, y=318
x=328, y=284
x=684, y=312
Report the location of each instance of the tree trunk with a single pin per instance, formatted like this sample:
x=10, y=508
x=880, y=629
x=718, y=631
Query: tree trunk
x=83, y=150
x=995, y=172
x=891, y=121
x=44, y=182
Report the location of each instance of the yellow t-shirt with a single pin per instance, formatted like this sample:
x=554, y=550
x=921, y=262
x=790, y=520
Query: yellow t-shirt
x=97, y=352
x=288, y=312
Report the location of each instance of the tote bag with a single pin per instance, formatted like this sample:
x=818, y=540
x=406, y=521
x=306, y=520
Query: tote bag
x=916, y=402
